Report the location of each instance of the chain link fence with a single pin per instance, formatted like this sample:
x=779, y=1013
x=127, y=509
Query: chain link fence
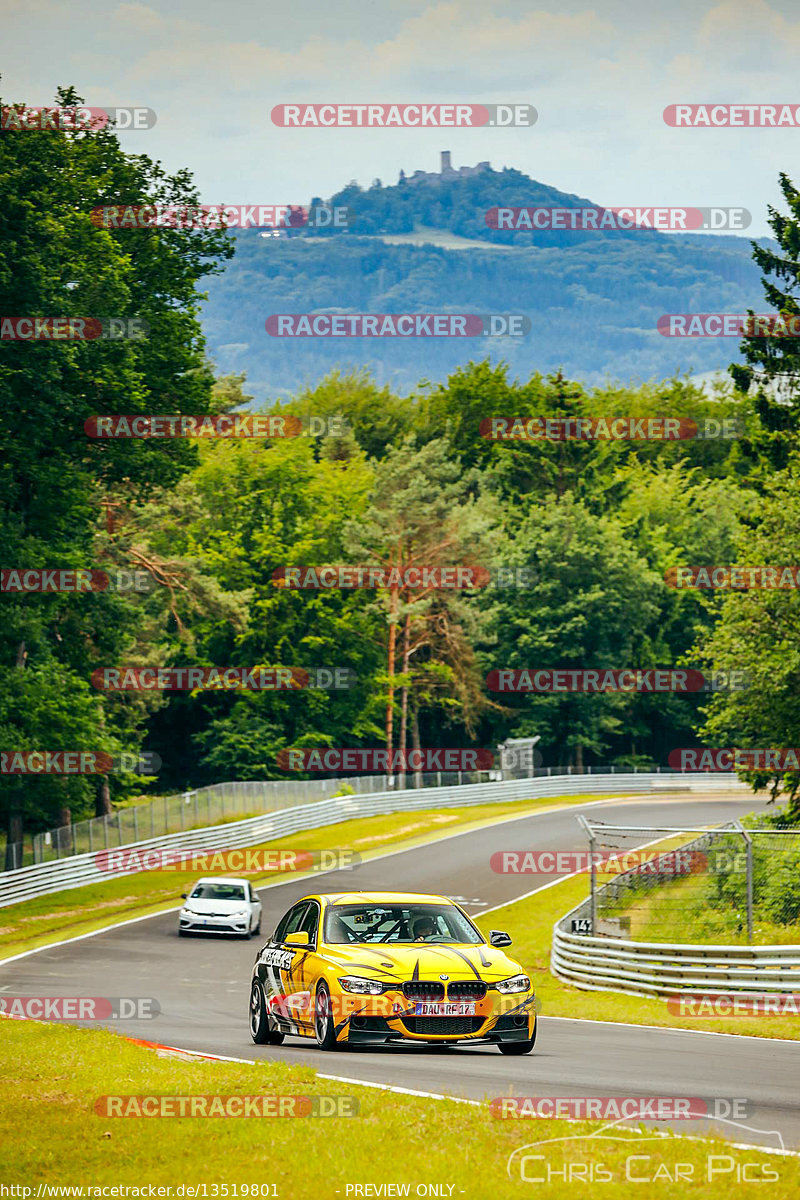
x=232, y=801
x=736, y=884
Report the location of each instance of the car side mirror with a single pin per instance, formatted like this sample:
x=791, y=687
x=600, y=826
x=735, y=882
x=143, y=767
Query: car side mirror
x=498, y=938
x=297, y=939
x=184, y=896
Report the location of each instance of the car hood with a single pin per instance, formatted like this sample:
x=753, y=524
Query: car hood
x=222, y=907
x=422, y=961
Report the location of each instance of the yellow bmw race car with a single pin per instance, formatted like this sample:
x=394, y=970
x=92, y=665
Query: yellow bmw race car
x=381, y=967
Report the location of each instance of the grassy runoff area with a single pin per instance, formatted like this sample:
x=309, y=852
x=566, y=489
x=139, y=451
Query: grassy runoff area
x=52, y=1076
x=61, y=915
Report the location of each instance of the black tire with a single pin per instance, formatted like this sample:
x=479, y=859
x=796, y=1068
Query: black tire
x=182, y=933
x=257, y=931
x=519, y=1047
x=261, y=1030
x=324, y=1025
x=515, y=1047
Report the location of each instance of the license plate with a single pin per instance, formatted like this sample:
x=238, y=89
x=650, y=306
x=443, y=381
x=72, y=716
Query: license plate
x=444, y=1008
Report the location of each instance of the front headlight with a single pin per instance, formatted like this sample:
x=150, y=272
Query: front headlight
x=517, y=983
x=368, y=987
x=187, y=911
x=237, y=915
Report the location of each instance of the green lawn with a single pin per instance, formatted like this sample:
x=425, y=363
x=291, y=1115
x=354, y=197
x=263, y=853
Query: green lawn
x=52, y=1077
x=530, y=923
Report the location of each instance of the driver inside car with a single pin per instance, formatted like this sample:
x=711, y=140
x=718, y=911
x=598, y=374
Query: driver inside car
x=424, y=928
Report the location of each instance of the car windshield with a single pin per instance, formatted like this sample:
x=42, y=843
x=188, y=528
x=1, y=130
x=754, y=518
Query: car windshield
x=218, y=891
x=348, y=923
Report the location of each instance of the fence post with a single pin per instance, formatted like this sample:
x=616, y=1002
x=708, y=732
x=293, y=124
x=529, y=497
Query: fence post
x=749, y=848
x=135, y=824
x=91, y=840
x=119, y=827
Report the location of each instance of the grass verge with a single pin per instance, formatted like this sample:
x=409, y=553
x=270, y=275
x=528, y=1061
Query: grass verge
x=53, y=1075
x=530, y=923
x=60, y=915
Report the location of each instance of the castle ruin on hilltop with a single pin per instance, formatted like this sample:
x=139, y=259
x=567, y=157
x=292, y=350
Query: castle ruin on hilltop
x=447, y=171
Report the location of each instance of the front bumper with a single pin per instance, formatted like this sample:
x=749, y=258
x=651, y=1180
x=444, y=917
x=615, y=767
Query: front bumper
x=214, y=924
x=390, y=1017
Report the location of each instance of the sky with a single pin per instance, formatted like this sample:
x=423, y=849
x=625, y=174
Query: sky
x=599, y=76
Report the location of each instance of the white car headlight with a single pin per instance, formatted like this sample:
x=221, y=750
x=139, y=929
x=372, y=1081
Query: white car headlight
x=517, y=983
x=354, y=983
x=237, y=915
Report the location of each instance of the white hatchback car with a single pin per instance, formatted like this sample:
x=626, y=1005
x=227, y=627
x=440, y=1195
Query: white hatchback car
x=221, y=906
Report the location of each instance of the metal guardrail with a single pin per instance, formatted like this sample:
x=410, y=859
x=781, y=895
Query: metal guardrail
x=43, y=878
x=603, y=964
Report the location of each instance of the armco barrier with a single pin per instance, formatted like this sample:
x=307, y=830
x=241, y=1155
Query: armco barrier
x=81, y=869
x=604, y=964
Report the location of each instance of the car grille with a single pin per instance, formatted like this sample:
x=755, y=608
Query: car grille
x=436, y=1026
x=211, y=928
x=424, y=989
x=467, y=989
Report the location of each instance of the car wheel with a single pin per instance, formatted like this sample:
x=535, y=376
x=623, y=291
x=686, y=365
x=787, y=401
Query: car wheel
x=261, y=1029
x=518, y=1047
x=257, y=931
x=181, y=933
x=324, y=1028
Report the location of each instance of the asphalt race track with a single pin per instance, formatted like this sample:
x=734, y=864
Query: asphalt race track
x=202, y=984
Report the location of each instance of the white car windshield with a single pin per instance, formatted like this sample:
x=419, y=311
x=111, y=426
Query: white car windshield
x=218, y=891
x=347, y=923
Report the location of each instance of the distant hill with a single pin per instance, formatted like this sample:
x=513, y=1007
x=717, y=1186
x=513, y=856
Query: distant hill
x=593, y=297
